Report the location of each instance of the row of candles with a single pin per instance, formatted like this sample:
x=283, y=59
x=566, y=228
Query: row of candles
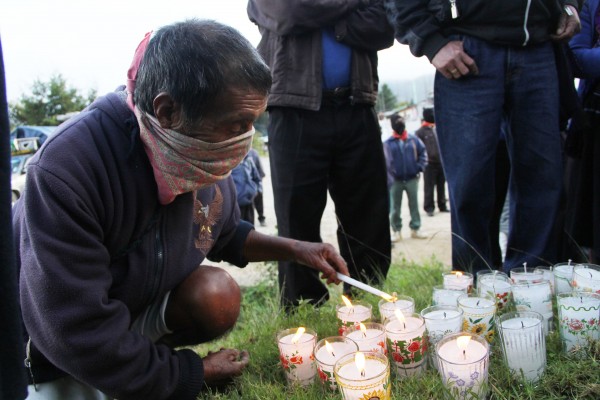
x=453, y=335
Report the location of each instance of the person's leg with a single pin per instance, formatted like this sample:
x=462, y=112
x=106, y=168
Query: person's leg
x=468, y=112
x=440, y=184
x=429, y=183
x=358, y=187
x=501, y=187
x=412, y=188
x=260, y=209
x=247, y=213
x=299, y=152
x=536, y=160
x=203, y=307
x=396, y=206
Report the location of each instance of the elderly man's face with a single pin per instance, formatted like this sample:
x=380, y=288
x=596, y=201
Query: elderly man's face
x=233, y=114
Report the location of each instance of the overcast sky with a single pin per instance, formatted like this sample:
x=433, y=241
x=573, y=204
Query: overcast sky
x=91, y=43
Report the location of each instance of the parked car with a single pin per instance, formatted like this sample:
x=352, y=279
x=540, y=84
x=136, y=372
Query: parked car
x=18, y=174
x=30, y=131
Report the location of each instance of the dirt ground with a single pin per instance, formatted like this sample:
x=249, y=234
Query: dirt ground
x=437, y=227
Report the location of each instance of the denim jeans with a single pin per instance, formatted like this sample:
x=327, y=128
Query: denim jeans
x=520, y=86
x=411, y=188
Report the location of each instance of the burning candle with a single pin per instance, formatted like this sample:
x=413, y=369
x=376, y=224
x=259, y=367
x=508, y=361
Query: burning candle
x=327, y=352
x=439, y=322
x=407, y=343
x=296, y=354
x=579, y=319
x=369, y=336
x=351, y=315
x=446, y=296
x=523, y=343
x=363, y=376
x=463, y=361
x=478, y=314
x=458, y=280
x=563, y=276
x=405, y=304
x=496, y=284
x=586, y=278
x=529, y=296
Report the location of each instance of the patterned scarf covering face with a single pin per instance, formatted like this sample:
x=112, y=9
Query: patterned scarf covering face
x=182, y=163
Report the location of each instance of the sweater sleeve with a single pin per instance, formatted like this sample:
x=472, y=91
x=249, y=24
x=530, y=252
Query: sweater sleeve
x=366, y=28
x=587, y=56
x=416, y=26
x=66, y=306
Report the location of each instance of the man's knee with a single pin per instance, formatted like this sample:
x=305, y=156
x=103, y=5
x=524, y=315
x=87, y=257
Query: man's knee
x=205, y=305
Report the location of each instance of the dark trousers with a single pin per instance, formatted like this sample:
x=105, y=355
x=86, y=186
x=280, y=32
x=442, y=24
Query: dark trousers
x=338, y=149
x=247, y=213
x=258, y=205
x=434, y=178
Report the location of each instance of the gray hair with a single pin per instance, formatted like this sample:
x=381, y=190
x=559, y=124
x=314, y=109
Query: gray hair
x=194, y=61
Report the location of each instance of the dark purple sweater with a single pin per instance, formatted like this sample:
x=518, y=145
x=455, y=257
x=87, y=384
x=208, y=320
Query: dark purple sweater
x=95, y=248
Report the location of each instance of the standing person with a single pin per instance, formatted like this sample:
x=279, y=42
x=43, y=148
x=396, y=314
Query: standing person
x=122, y=206
x=433, y=176
x=246, y=180
x=584, y=193
x=494, y=59
x=258, y=200
x=406, y=158
x=324, y=133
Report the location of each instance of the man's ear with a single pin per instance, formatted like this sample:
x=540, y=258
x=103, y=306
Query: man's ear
x=167, y=111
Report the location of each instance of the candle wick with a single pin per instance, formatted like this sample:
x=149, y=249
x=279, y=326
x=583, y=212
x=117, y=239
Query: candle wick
x=404, y=323
x=333, y=354
x=478, y=302
x=581, y=299
x=525, y=266
x=465, y=354
x=569, y=262
x=591, y=276
x=444, y=314
x=365, y=334
x=522, y=324
x=362, y=373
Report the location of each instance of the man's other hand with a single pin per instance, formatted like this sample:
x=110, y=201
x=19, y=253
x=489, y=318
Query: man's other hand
x=452, y=61
x=222, y=366
x=323, y=257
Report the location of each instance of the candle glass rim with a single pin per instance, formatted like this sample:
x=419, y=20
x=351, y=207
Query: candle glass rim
x=516, y=314
x=525, y=271
x=442, y=307
x=368, y=325
x=520, y=284
x=580, y=267
x=477, y=338
x=333, y=339
x=455, y=272
x=476, y=295
x=363, y=303
x=485, y=272
x=488, y=277
x=413, y=315
x=576, y=294
x=544, y=268
x=455, y=288
x=290, y=331
x=383, y=302
x=341, y=362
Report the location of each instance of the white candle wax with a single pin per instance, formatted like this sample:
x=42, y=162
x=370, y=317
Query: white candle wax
x=446, y=296
x=454, y=280
x=387, y=308
x=373, y=368
x=535, y=297
x=578, y=315
x=524, y=346
x=373, y=339
x=409, y=325
x=296, y=354
x=563, y=275
x=302, y=339
x=356, y=313
x=476, y=303
x=339, y=349
x=464, y=372
x=474, y=352
x=586, y=278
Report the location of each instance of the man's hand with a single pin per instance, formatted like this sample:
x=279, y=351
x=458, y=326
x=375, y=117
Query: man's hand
x=222, y=366
x=323, y=257
x=568, y=25
x=452, y=61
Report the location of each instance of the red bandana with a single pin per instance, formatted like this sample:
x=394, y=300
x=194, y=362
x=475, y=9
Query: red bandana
x=402, y=137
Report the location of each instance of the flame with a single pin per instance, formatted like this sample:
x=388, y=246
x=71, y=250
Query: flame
x=347, y=301
x=459, y=274
x=463, y=342
x=329, y=347
x=363, y=328
x=388, y=297
x=298, y=334
x=399, y=315
x=359, y=360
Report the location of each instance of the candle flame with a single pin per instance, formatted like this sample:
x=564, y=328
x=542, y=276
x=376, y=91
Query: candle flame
x=363, y=329
x=463, y=342
x=299, y=333
x=329, y=347
x=388, y=297
x=399, y=315
x=347, y=301
x=459, y=274
x=359, y=360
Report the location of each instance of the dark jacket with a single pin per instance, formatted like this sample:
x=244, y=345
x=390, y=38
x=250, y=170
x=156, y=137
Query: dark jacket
x=95, y=248
x=291, y=46
x=426, y=25
x=247, y=180
x=587, y=56
x=404, y=161
x=428, y=136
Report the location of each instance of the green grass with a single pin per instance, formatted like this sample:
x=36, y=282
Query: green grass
x=261, y=319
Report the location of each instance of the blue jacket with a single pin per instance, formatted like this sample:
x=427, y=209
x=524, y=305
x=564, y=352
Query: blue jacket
x=247, y=180
x=404, y=160
x=582, y=44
